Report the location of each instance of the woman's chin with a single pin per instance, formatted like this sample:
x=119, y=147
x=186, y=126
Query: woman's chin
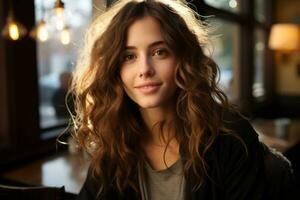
x=148, y=105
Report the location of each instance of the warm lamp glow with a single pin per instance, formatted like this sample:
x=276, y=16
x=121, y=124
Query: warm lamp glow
x=59, y=8
x=59, y=11
x=59, y=24
x=65, y=36
x=42, y=31
x=13, y=30
x=285, y=37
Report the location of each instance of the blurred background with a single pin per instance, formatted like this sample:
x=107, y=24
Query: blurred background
x=256, y=44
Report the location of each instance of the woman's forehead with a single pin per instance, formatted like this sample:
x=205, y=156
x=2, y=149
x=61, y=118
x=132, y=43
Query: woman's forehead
x=146, y=30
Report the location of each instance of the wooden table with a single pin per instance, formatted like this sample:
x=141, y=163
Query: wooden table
x=61, y=169
x=266, y=130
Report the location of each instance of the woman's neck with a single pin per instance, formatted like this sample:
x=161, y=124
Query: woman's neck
x=152, y=118
x=160, y=152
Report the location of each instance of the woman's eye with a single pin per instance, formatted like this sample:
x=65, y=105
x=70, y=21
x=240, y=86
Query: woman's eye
x=128, y=57
x=160, y=52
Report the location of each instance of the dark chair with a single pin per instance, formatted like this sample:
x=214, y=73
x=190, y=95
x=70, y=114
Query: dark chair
x=32, y=193
x=279, y=176
x=293, y=154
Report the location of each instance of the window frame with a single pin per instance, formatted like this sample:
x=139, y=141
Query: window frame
x=21, y=98
x=247, y=23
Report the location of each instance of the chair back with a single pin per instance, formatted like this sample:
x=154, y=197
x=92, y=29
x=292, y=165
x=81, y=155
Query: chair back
x=31, y=193
x=279, y=175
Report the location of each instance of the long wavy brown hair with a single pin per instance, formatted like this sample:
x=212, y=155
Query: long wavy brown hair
x=108, y=123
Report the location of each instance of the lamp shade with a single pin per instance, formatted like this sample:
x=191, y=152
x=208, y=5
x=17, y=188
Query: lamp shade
x=285, y=37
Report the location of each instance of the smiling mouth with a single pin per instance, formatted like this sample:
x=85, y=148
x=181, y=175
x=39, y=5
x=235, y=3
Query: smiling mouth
x=149, y=89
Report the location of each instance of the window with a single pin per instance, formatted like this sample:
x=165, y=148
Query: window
x=260, y=54
x=225, y=53
x=239, y=46
x=29, y=72
x=260, y=10
x=57, y=55
x=258, y=89
x=230, y=5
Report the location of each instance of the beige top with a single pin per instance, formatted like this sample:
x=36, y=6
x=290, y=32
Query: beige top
x=167, y=184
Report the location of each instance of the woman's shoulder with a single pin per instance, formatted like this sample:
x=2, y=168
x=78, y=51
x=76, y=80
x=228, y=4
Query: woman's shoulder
x=237, y=146
x=239, y=128
x=236, y=143
x=237, y=159
x=90, y=187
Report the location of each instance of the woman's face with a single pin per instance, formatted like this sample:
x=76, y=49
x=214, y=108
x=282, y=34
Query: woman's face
x=148, y=65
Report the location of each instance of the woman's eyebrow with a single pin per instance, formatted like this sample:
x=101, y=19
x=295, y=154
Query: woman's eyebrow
x=156, y=43
x=150, y=46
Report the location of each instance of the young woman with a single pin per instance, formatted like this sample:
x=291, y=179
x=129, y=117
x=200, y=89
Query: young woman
x=151, y=115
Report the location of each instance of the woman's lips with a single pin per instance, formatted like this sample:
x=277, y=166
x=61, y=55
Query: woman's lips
x=148, y=88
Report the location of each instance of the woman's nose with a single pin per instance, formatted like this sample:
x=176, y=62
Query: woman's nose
x=146, y=67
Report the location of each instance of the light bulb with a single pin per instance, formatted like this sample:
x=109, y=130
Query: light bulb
x=42, y=31
x=233, y=3
x=65, y=36
x=13, y=31
x=59, y=24
x=59, y=8
x=59, y=11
